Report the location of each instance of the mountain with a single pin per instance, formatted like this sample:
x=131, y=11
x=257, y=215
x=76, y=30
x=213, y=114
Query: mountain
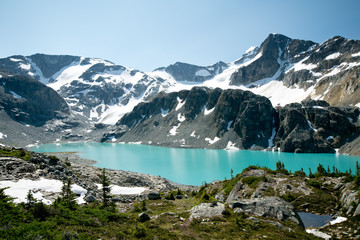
x=98, y=92
x=236, y=119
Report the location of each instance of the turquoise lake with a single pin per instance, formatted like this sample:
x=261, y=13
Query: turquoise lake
x=193, y=166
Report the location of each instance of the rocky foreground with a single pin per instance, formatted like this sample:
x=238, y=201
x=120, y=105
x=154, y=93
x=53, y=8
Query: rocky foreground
x=258, y=203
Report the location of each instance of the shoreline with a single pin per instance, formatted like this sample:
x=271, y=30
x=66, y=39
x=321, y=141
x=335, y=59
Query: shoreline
x=85, y=168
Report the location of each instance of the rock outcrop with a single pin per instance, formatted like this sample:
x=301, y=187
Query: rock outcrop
x=272, y=207
x=207, y=210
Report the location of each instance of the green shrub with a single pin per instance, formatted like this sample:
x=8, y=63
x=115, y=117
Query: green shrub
x=253, y=181
x=314, y=183
x=288, y=197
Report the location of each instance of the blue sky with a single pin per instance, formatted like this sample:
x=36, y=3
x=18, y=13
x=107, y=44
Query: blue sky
x=146, y=34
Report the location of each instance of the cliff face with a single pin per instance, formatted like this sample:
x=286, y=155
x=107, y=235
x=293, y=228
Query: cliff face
x=215, y=118
x=29, y=101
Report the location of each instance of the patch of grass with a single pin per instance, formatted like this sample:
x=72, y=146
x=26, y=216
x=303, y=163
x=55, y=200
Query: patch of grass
x=253, y=181
x=18, y=153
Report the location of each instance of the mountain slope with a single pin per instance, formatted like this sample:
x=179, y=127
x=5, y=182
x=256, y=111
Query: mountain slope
x=236, y=119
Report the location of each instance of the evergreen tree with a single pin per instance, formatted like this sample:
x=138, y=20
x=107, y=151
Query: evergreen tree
x=357, y=168
x=105, y=182
x=30, y=200
x=231, y=173
x=67, y=197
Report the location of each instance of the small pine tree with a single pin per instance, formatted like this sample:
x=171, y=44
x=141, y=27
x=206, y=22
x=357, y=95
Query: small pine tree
x=105, y=182
x=357, y=168
x=320, y=170
x=30, y=200
x=67, y=197
x=231, y=173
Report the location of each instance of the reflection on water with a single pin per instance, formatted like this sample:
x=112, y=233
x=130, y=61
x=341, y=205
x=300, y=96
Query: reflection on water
x=314, y=220
x=193, y=166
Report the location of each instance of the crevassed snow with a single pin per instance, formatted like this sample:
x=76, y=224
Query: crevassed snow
x=333, y=56
x=20, y=189
x=202, y=73
x=15, y=95
x=212, y=141
x=193, y=134
x=118, y=190
x=356, y=54
x=318, y=233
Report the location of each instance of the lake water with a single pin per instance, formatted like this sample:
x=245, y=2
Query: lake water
x=193, y=166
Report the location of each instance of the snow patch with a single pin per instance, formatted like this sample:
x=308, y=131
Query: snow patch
x=16, y=60
x=311, y=126
x=356, y=54
x=207, y=112
x=2, y=135
x=271, y=139
x=164, y=112
x=118, y=190
x=20, y=189
x=250, y=49
x=229, y=125
x=203, y=73
x=15, y=95
x=181, y=117
x=25, y=66
x=180, y=103
x=193, y=134
x=173, y=130
x=338, y=220
x=231, y=146
x=333, y=56
x=318, y=233
x=212, y=141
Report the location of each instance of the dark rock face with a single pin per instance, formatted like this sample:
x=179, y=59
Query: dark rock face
x=314, y=126
x=29, y=101
x=202, y=117
x=184, y=72
x=215, y=118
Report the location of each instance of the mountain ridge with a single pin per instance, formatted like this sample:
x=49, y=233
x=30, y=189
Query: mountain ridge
x=99, y=92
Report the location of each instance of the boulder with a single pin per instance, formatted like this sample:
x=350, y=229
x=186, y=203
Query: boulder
x=272, y=207
x=143, y=217
x=90, y=198
x=207, y=210
x=154, y=195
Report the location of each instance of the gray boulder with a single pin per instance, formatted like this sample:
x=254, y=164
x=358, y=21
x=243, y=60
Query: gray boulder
x=207, y=210
x=272, y=207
